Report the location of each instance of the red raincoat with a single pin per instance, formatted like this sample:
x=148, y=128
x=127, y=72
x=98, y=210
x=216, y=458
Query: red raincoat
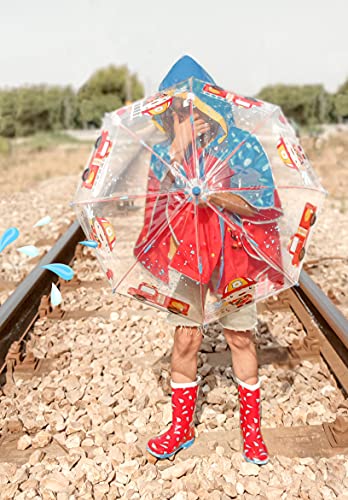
x=168, y=217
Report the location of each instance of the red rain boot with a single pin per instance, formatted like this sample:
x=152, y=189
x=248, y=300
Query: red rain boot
x=254, y=448
x=181, y=433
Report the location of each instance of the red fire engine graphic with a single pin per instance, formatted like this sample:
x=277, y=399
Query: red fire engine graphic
x=109, y=274
x=239, y=292
x=157, y=106
x=291, y=153
x=103, y=233
x=149, y=293
x=283, y=119
x=216, y=91
x=238, y=100
x=103, y=147
x=244, y=102
x=297, y=243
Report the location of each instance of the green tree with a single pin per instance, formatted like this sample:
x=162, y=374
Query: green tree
x=43, y=108
x=107, y=89
x=306, y=104
x=7, y=113
x=29, y=109
x=341, y=102
x=35, y=110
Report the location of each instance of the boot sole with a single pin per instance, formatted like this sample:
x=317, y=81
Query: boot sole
x=256, y=460
x=167, y=455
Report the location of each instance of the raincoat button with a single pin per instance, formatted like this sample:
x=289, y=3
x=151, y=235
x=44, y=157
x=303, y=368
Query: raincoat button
x=236, y=241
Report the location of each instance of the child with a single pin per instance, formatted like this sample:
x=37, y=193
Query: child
x=224, y=254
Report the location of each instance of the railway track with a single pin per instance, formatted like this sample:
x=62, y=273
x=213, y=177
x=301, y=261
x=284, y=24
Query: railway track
x=326, y=338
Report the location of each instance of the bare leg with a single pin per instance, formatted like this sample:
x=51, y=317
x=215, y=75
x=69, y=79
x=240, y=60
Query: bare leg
x=244, y=357
x=187, y=341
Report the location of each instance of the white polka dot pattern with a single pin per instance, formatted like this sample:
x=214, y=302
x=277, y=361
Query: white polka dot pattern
x=255, y=449
x=181, y=429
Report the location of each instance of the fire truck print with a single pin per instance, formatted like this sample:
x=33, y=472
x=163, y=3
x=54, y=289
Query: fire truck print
x=298, y=241
x=103, y=233
x=238, y=100
x=239, y=292
x=94, y=171
x=152, y=107
x=149, y=293
x=291, y=154
x=157, y=106
x=109, y=274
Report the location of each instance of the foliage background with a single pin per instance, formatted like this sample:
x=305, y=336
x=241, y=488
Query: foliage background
x=37, y=108
x=28, y=110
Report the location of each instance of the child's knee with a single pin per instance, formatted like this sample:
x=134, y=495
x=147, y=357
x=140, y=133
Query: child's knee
x=239, y=339
x=188, y=339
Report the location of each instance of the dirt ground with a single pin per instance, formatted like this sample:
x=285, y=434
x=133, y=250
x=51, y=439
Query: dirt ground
x=330, y=160
x=24, y=168
x=327, y=258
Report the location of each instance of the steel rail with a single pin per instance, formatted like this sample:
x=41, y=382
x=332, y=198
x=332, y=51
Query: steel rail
x=326, y=308
x=21, y=308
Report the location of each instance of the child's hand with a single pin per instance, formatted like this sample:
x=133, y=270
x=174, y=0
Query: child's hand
x=233, y=203
x=183, y=134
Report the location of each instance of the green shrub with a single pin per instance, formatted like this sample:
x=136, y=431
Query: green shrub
x=41, y=108
x=46, y=140
x=107, y=89
x=306, y=104
x=5, y=146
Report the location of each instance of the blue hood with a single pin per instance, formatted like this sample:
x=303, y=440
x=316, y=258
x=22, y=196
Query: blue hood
x=183, y=69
